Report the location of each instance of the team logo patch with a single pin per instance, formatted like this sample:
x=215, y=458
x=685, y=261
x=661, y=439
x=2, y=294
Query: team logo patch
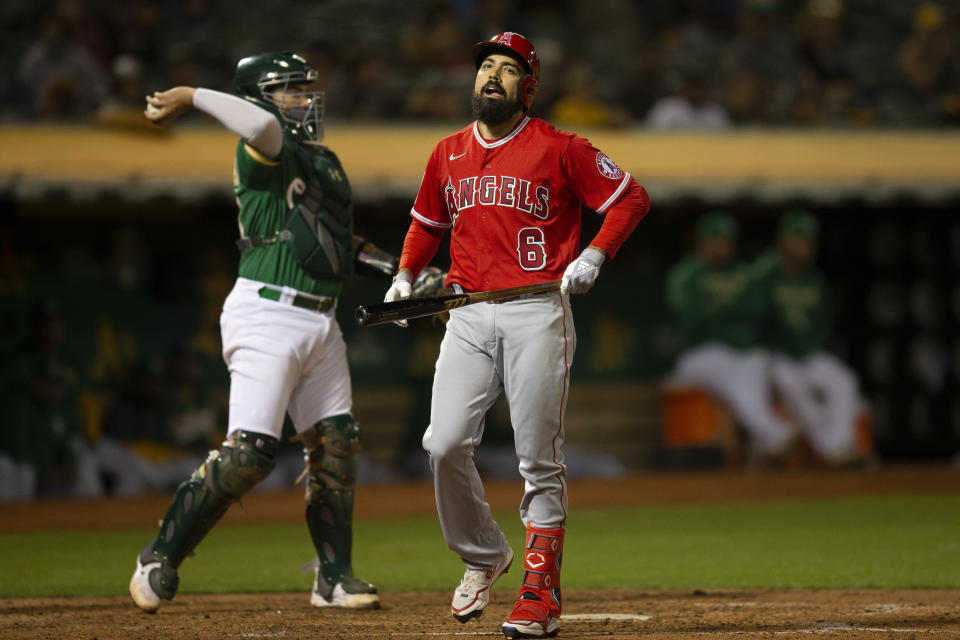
x=535, y=560
x=608, y=167
x=505, y=39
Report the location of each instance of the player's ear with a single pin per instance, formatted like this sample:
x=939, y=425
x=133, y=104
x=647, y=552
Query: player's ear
x=528, y=89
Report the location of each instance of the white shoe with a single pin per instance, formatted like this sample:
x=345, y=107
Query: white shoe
x=531, y=618
x=143, y=594
x=352, y=593
x=473, y=593
x=531, y=628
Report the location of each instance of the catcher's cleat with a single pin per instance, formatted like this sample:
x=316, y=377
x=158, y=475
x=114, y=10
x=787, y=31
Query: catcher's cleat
x=351, y=593
x=152, y=582
x=531, y=618
x=473, y=593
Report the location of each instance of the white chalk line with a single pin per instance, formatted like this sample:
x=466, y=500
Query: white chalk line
x=830, y=628
x=809, y=631
x=765, y=632
x=590, y=617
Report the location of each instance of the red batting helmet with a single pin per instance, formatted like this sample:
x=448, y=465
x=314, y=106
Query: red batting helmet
x=516, y=46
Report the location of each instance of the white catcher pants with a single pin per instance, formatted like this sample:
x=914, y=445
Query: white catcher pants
x=281, y=359
x=524, y=348
x=822, y=392
x=739, y=380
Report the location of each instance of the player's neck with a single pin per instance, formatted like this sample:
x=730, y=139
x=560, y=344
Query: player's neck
x=498, y=131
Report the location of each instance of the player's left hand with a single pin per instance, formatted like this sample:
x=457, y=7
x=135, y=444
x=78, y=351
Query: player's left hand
x=580, y=274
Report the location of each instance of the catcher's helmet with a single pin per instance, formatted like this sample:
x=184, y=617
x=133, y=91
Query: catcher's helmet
x=518, y=47
x=256, y=78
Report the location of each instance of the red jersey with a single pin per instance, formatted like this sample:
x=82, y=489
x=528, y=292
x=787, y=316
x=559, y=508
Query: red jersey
x=513, y=204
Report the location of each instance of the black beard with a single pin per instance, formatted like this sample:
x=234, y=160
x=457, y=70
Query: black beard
x=491, y=111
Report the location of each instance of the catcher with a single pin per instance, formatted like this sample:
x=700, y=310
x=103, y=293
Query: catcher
x=281, y=340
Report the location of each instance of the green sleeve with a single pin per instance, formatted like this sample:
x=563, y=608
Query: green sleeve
x=683, y=299
x=255, y=170
x=680, y=286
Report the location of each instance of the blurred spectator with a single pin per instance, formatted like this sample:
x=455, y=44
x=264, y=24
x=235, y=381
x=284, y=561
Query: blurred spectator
x=775, y=63
x=825, y=83
x=759, y=67
x=58, y=78
x=819, y=390
x=161, y=426
x=690, y=105
x=374, y=92
x=434, y=47
x=642, y=80
x=123, y=107
x=581, y=105
x=717, y=308
x=195, y=425
x=926, y=55
x=86, y=29
x=929, y=62
x=46, y=450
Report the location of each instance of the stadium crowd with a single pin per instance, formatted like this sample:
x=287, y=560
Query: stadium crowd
x=662, y=64
x=658, y=63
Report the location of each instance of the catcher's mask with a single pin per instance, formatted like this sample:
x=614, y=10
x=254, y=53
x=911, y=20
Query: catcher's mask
x=257, y=79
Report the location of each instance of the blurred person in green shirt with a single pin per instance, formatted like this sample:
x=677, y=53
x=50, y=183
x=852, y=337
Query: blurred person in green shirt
x=717, y=309
x=820, y=391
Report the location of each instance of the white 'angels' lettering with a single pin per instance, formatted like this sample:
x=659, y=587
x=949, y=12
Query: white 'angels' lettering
x=504, y=191
x=450, y=196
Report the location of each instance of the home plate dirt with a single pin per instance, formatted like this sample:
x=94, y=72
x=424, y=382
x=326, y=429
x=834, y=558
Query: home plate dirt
x=648, y=614
x=722, y=614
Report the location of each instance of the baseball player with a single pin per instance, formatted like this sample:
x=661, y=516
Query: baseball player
x=819, y=389
x=281, y=341
x=717, y=308
x=509, y=188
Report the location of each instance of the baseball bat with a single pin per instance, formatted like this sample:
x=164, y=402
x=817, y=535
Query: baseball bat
x=372, y=314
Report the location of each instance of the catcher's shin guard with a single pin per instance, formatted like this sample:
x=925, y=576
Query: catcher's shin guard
x=330, y=451
x=537, y=610
x=201, y=500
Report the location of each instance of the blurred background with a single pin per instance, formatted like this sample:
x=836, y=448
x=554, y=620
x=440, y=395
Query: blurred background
x=117, y=236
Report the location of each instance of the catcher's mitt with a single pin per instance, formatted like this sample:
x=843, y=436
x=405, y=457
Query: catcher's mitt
x=428, y=283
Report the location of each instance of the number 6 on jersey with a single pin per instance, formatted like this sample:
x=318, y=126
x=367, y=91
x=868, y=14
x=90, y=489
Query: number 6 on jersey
x=532, y=249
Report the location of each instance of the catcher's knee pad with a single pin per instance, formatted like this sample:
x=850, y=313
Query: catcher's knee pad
x=245, y=459
x=201, y=500
x=330, y=451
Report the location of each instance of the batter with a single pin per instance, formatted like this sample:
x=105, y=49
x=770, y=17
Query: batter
x=510, y=188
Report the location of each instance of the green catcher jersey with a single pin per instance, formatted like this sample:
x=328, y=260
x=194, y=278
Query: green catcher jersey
x=796, y=317
x=713, y=304
x=266, y=190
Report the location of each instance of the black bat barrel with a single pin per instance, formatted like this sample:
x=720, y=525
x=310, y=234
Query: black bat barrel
x=383, y=312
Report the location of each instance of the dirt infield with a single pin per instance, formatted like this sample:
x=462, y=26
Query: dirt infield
x=789, y=614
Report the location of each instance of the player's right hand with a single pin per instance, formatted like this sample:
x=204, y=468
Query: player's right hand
x=164, y=106
x=399, y=290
